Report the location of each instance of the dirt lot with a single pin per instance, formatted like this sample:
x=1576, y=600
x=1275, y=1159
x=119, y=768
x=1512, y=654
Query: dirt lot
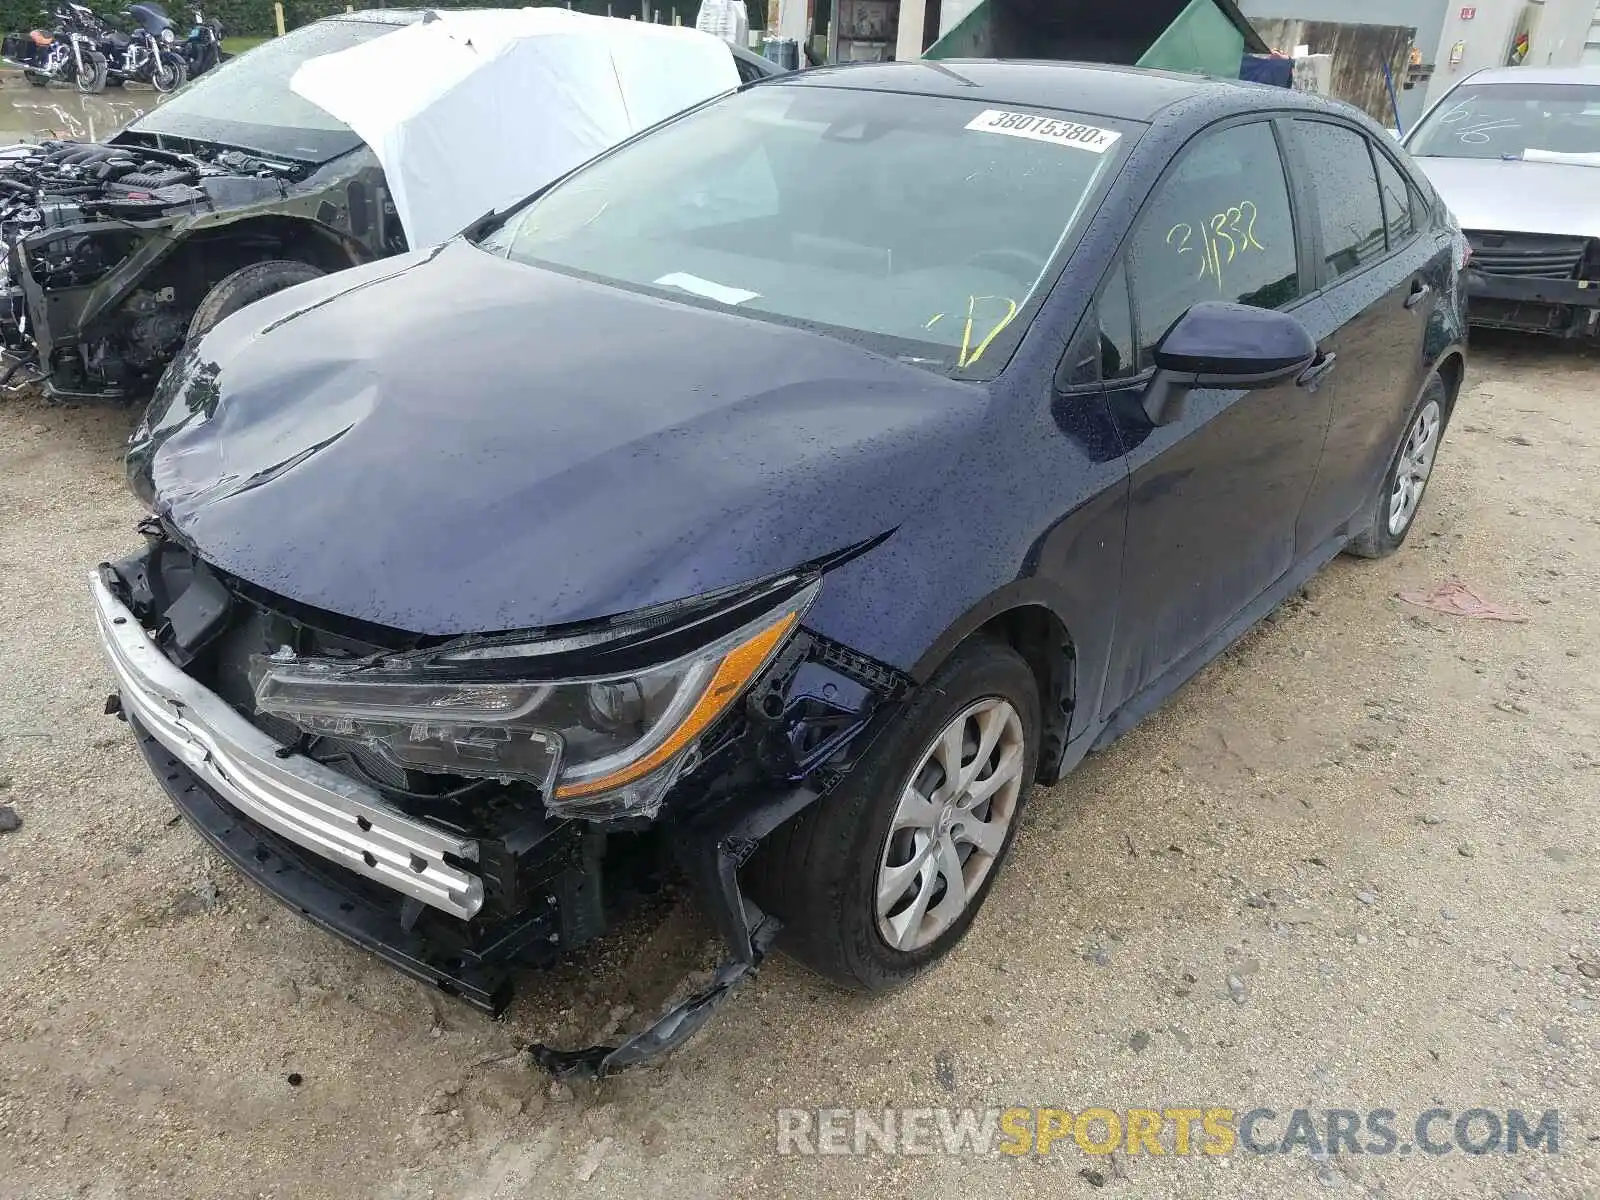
x=1353, y=865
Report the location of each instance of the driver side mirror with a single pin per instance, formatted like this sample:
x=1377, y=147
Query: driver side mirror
x=1220, y=345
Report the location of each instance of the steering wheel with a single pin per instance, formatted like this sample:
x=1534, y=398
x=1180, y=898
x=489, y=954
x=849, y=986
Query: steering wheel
x=1007, y=260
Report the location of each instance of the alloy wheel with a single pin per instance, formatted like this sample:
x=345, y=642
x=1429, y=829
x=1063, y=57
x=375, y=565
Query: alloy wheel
x=951, y=824
x=1415, y=466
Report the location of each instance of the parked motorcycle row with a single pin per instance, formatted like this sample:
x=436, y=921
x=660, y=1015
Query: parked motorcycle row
x=92, y=51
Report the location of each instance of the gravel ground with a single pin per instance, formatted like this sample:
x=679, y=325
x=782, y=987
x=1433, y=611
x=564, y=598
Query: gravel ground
x=1352, y=865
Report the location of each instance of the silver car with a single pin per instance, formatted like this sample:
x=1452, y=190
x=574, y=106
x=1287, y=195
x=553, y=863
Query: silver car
x=1515, y=153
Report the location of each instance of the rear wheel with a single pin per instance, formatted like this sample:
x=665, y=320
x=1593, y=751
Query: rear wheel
x=246, y=286
x=883, y=876
x=35, y=78
x=1394, y=509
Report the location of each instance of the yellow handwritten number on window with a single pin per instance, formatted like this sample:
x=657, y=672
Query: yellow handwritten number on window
x=1224, y=236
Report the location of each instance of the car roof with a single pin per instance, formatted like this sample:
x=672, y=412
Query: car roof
x=380, y=16
x=1536, y=75
x=397, y=16
x=1131, y=93
x=410, y=16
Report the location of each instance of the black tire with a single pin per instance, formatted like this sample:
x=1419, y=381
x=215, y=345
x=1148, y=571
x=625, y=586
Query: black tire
x=818, y=872
x=180, y=74
x=1375, y=538
x=246, y=286
x=35, y=78
x=93, y=81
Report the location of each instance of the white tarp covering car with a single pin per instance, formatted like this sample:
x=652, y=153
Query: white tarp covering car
x=469, y=111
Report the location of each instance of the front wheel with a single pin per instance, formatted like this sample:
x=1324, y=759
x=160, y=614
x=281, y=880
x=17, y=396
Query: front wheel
x=1394, y=509
x=246, y=286
x=884, y=875
x=92, y=80
x=170, y=74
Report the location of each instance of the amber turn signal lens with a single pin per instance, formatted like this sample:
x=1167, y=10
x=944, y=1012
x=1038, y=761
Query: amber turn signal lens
x=732, y=676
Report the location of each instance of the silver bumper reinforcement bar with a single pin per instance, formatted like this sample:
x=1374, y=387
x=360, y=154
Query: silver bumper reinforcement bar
x=312, y=805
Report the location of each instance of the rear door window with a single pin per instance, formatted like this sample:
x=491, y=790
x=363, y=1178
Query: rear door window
x=1349, y=210
x=1218, y=227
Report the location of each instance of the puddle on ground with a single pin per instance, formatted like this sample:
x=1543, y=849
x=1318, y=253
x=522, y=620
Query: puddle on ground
x=31, y=114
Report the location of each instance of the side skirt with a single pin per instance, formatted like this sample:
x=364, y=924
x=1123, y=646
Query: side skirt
x=1156, y=693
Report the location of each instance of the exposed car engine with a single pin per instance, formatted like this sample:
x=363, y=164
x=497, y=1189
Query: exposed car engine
x=72, y=213
x=62, y=183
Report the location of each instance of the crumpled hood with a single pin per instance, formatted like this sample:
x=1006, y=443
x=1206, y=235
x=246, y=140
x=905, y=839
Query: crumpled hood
x=1518, y=197
x=450, y=443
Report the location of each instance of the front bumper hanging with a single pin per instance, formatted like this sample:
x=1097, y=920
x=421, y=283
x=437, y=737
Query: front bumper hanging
x=340, y=855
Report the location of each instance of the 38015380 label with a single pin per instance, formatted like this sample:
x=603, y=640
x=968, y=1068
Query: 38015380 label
x=1038, y=128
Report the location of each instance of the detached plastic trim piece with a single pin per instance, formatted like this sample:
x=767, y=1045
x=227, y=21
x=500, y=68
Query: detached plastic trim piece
x=671, y=1030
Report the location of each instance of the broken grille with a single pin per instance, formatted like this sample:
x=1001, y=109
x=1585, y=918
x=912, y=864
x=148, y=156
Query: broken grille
x=1530, y=256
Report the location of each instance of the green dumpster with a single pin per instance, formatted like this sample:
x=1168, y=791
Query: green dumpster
x=1207, y=36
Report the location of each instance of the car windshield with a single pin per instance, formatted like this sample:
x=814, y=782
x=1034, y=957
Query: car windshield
x=1532, y=121
x=921, y=227
x=249, y=105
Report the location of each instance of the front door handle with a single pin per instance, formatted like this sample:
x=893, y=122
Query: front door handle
x=1419, y=292
x=1315, y=373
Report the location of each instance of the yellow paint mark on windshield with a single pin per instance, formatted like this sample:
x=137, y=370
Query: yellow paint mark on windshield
x=970, y=353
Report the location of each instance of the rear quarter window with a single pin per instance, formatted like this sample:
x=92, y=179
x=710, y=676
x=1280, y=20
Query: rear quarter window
x=1399, y=200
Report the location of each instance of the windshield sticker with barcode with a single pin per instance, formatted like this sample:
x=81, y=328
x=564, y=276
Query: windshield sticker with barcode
x=1045, y=129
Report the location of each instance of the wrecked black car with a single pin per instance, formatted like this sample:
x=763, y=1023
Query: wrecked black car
x=770, y=521
x=240, y=185
x=230, y=190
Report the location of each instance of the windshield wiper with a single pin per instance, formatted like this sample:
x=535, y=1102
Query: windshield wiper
x=479, y=226
x=1565, y=158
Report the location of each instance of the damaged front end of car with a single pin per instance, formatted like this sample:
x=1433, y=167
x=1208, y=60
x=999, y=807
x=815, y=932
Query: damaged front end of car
x=467, y=806
x=107, y=250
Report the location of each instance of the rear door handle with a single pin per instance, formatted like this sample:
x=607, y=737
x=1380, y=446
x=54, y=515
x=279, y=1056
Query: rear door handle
x=1419, y=292
x=1314, y=374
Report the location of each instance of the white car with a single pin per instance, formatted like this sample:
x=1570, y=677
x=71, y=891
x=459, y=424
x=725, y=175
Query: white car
x=1515, y=153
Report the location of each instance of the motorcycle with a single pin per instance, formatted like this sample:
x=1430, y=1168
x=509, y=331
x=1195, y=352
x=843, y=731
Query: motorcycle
x=67, y=54
x=203, y=46
x=148, y=53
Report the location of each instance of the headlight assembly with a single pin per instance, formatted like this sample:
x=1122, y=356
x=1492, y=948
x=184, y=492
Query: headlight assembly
x=602, y=747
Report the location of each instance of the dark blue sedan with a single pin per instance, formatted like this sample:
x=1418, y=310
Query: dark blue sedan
x=772, y=501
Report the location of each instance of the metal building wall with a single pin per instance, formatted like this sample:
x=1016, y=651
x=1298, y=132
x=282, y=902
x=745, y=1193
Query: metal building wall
x=1427, y=17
